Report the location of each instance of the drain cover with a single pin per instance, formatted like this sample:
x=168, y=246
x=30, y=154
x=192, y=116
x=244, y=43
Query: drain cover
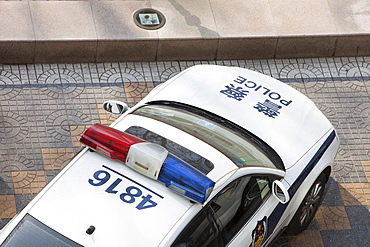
x=149, y=19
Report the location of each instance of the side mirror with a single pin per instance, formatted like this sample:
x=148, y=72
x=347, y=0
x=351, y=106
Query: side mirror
x=280, y=192
x=115, y=107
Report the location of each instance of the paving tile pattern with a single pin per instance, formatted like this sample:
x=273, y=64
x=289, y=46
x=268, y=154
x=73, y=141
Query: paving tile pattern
x=45, y=108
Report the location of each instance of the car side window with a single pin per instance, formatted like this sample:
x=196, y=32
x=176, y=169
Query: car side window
x=201, y=231
x=236, y=203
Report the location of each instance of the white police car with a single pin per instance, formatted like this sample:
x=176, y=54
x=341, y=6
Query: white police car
x=216, y=156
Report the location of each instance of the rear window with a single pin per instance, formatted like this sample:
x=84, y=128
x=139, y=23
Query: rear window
x=32, y=233
x=239, y=146
x=195, y=160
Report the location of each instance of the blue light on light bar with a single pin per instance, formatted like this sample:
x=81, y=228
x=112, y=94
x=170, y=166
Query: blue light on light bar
x=182, y=178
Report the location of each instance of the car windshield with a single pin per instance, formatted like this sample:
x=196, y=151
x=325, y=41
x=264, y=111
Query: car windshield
x=243, y=150
x=32, y=233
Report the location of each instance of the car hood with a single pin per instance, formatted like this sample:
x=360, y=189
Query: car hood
x=278, y=114
x=83, y=196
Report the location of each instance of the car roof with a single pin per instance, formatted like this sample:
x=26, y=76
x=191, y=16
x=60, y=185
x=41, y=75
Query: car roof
x=243, y=97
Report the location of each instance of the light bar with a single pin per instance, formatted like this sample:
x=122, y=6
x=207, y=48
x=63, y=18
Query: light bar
x=149, y=159
x=146, y=158
x=108, y=141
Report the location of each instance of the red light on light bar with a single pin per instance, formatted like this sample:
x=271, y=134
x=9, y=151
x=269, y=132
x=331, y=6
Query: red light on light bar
x=110, y=142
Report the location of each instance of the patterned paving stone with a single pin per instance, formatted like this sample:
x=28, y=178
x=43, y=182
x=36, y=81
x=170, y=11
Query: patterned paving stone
x=282, y=241
x=348, y=238
x=307, y=238
x=332, y=218
x=28, y=182
x=50, y=174
x=61, y=82
x=332, y=194
x=366, y=165
x=22, y=200
x=8, y=79
x=76, y=133
x=59, y=122
x=56, y=158
x=136, y=91
x=355, y=194
x=7, y=206
x=359, y=217
x=6, y=184
x=13, y=128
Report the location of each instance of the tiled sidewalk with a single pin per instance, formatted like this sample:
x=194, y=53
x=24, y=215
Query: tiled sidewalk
x=44, y=108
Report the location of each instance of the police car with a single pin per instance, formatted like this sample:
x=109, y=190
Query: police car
x=216, y=156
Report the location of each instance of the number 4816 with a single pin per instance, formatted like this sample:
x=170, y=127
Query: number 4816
x=102, y=177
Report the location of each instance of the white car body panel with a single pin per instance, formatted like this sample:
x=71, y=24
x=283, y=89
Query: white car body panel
x=200, y=86
x=293, y=174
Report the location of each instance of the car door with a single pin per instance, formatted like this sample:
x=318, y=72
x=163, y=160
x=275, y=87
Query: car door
x=243, y=209
x=202, y=231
